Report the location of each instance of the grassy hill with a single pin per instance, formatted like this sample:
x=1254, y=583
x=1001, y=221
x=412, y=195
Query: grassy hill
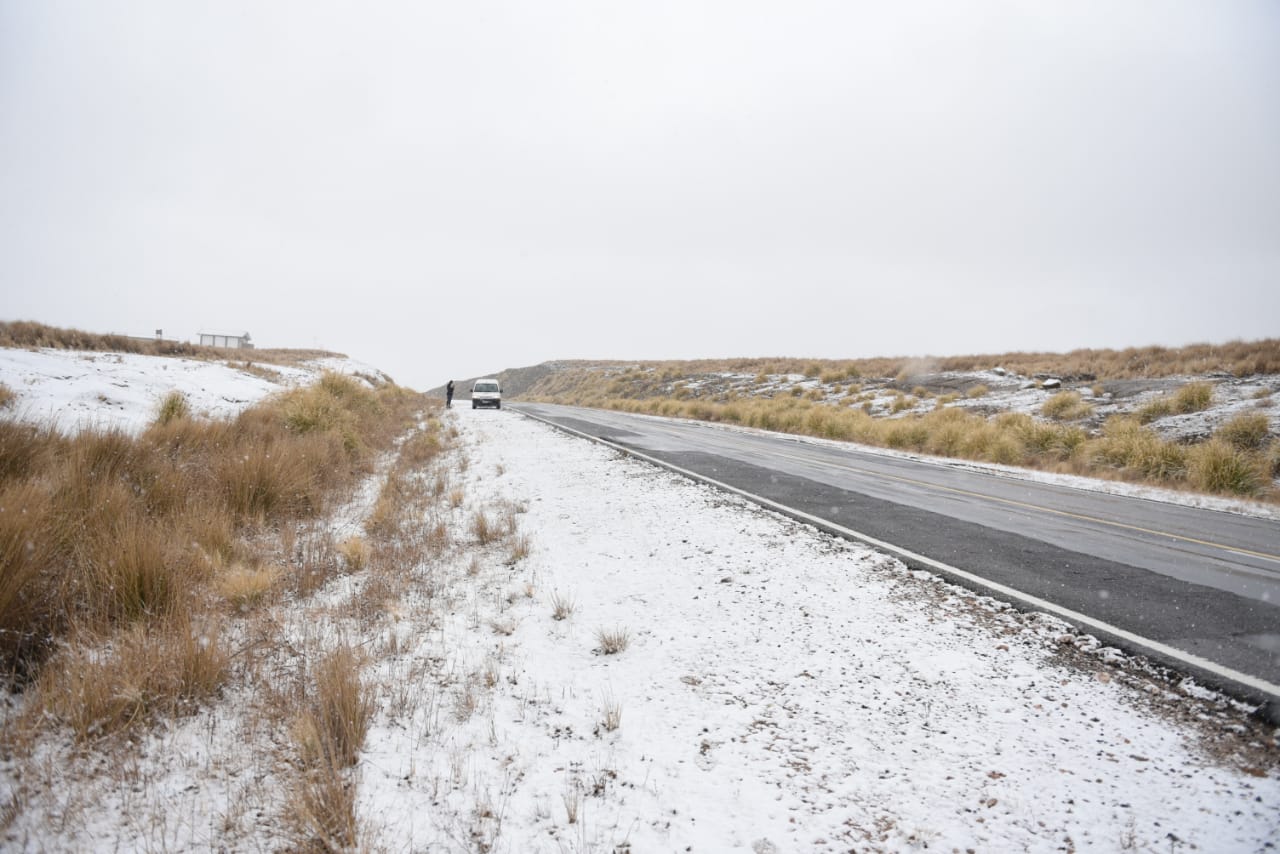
x=1199, y=417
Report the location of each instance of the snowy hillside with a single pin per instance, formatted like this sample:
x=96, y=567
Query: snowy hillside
x=644, y=664
x=71, y=389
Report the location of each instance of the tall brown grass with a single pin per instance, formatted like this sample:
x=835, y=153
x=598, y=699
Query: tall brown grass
x=1125, y=449
x=329, y=732
x=604, y=379
x=31, y=335
x=105, y=530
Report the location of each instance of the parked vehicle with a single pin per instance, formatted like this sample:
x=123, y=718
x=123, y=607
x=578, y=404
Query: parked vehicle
x=486, y=392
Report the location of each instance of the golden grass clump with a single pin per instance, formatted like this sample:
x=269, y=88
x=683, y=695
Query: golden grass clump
x=329, y=733
x=7, y=396
x=1127, y=446
x=1066, y=406
x=332, y=726
x=32, y=542
x=1124, y=449
x=172, y=407
x=1192, y=397
x=562, y=606
x=1247, y=432
x=483, y=528
x=104, y=528
x=355, y=553
x=613, y=641
x=105, y=685
x=244, y=587
x=1217, y=466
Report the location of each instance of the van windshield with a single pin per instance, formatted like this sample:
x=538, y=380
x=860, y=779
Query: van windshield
x=486, y=387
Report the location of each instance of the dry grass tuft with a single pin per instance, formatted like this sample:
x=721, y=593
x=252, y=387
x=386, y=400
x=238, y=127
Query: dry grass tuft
x=1246, y=432
x=355, y=553
x=173, y=407
x=331, y=728
x=105, y=686
x=610, y=713
x=1192, y=397
x=103, y=530
x=245, y=587
x=1066, y=406
x=1217, y=466
x=613, y=641
x=7, y=396
x=322, y=811
x=484, y=529
x=520, y=547
x=562, y=606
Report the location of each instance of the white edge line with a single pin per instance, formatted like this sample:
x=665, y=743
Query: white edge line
x=1261, y=686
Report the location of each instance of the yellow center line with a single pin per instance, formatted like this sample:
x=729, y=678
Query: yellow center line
x=1027, y=506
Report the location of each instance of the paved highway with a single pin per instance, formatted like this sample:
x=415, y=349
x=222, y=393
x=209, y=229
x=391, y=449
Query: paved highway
x=1202, y=582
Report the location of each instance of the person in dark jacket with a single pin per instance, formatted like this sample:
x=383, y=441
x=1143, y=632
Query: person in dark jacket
x=448, y=395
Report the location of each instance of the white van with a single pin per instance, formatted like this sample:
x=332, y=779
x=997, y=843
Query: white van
x=486, y=392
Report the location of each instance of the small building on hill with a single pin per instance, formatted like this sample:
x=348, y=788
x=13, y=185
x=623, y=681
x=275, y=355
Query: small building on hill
x=231, y=340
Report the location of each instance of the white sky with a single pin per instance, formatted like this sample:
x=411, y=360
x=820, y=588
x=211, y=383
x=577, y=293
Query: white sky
x=445, y=189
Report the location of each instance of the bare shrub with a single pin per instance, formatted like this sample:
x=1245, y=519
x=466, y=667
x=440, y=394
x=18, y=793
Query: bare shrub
x=613, y=641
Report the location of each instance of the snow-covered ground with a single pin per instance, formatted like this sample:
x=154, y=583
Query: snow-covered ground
x=72, y=390
x=782, y=690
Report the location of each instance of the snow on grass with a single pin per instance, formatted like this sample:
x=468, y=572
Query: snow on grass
x=781, y=691
x=73, y=390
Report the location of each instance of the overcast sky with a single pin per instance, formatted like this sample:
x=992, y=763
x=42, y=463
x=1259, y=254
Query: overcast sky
x=450, y=188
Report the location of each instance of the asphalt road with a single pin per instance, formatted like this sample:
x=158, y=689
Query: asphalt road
x=1202, y=582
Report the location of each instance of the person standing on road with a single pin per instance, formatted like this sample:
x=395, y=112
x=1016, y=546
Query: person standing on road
x=448, y=395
